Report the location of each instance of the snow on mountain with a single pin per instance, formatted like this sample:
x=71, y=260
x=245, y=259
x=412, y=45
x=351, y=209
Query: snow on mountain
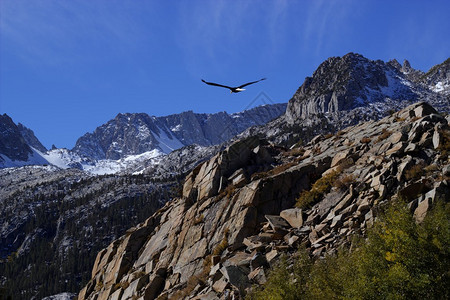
x=135, y=133
x=62, y=296
x=64, y=159
x=35, y=158
x=167, y=144
x=442, y=87
x=109, y=166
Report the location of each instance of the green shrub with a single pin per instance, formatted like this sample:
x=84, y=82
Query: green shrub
x=400, y=260
x=366, y=140
x=322, y=186
x=384, y=135
x=415, y=171
x=344, y=182
x=286, y=282
x=444, y=146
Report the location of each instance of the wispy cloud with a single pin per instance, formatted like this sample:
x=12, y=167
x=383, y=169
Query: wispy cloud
x=216, y=32
x=325, y=19
x=53, y=31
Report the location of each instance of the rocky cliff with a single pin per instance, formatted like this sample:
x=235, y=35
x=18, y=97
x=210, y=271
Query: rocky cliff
x=12, y=143
x=237, y=211
x=30, y=138
x=351, y=81
x=346, y=90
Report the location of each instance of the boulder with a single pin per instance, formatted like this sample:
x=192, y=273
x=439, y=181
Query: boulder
x=238, y=178
x=364, y=206
x=258, y=260
x=294, y=216
x=403, y=166
x=208, y=295
x=422, y=209
x=277, y=223
x=272, y=255
x=411, y=148
x=437, y=139
x=336, y=221
x=397, y=137
x=220, y=285
x=339, y=157
x=237, y=277
x=134, y=287
x=396, y=149
x=239, y=259
x=412, y=190
x=424, y=109
x=258, y=276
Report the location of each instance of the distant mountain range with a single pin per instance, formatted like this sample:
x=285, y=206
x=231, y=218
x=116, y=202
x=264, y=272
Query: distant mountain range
x=129, y=138
x=131, y=134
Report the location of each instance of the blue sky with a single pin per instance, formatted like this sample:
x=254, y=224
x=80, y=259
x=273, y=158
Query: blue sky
x=67, y=67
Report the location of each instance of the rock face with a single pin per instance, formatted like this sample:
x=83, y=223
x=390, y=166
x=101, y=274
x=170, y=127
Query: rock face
x=12, y=143
x=137, y=133
x=30, y=138
x=344, y=91
x=351, y=81
x=344, y=83
x=236, y=215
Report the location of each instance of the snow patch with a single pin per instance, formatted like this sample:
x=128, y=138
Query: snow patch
x=62, y=296
x=35, y=158
x=167, y=144
x=109, y=166
x=176, y=128
x=64, y=159
x=441, y=87
x=143, y=132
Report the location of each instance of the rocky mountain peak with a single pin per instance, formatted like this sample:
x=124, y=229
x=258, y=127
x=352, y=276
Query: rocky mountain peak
x=394, y=63
x=344, y=83
x=406, y=66
x=12, y=143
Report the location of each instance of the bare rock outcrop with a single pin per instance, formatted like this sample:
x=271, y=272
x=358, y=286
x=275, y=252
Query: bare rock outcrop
x=237, y=214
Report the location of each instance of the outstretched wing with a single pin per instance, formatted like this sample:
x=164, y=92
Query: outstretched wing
x=216, y=84
x=248, y=83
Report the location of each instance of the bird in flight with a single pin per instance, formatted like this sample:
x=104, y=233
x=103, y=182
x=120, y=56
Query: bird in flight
x=234, y=89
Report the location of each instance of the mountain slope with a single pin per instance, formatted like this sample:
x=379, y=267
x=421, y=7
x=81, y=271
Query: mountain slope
x=54, y=221
x=438, y=78
x=236, y=215
x=12, y=143
x=30, y=138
